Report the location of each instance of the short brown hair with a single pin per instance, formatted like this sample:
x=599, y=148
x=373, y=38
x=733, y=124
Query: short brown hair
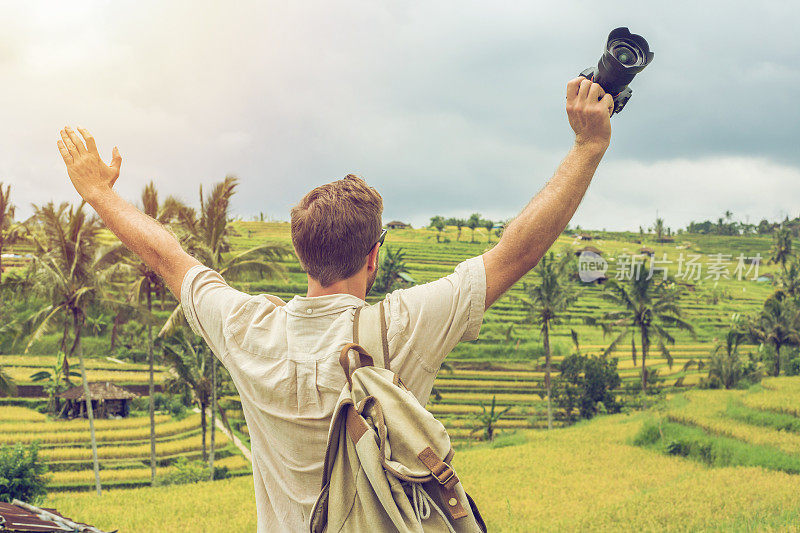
x=335, y=226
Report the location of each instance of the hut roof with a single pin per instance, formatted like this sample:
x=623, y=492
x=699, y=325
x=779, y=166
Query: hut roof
x=585, y=237
x=396, y=223
x=23, y=518
x=98, y=390
x=592, y=249
x=646, y=250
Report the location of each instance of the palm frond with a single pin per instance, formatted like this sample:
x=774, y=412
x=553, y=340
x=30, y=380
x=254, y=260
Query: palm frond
x=175, y=320
x=43, y=318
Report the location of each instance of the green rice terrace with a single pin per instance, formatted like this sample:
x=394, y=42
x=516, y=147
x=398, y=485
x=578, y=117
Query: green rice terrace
x=505, y=364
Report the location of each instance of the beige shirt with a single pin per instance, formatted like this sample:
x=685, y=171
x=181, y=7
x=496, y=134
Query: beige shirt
x=284, y=363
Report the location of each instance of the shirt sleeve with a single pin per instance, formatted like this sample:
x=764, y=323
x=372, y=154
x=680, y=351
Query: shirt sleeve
x=207, y=301
x=433, y=317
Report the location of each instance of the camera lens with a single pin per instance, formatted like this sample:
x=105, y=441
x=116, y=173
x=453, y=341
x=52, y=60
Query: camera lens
x=627, y=53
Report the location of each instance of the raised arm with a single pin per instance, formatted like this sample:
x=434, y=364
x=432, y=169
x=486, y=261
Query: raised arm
x=145, y=237
x=528, y=237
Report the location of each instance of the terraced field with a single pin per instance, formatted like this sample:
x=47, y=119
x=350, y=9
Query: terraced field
x=123, y=447
x=755, y=427
x=508, y=365
x=22, y=367
x=504, y=363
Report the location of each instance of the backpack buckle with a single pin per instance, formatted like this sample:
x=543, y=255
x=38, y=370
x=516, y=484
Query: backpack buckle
x=446, y=475
x=441, y=470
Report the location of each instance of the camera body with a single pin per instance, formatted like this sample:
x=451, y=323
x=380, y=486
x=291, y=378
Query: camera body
x=625, y=55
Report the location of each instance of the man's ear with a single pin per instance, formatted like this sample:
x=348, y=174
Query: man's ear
x=372, y=258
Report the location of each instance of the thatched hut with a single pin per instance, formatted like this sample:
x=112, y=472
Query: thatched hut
x=647, y=251
x=592, y=249
x=396, y=224
x=107, y=400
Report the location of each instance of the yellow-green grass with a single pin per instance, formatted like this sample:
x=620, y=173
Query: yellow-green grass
x=483, y=384
x=13, y=414
x=776, y=396
x=226, y=505
x=461, y=409
x=785, y=384
x=582, y=478
x=471, y=423
x=76, y=434
x=486, y=398
x=10, y=425
x=86, y=477
x=706, y=410
x=511, y=375
x=163, y=449
x=22, y=375
x=47, y=362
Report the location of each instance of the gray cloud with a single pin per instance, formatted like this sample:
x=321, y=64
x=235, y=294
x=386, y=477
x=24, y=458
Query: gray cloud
x=446, y=107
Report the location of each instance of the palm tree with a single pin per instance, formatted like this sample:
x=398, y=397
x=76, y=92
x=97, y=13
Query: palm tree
x=70, y=270
x=545, y=301
x=777, y=325
x=206, y=235
x=488, y=224
x=7, y=385
x=147, y=284
x=781, y=246
x=192, y=361
x=647, y=307
x=726, y=364
x=790, y=279
x=9, y=232
x=658, y=228
x=53, y=378
x=460, y=223
x=473, y=222
x=393, y=268
x=438, y=224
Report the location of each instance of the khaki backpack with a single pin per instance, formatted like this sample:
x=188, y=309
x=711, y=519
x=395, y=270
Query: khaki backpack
x=387, y=465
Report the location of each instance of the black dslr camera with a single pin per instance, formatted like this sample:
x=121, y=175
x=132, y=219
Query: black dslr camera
x=626, y=55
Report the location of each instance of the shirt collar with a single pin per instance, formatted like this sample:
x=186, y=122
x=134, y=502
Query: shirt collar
x=322, y=305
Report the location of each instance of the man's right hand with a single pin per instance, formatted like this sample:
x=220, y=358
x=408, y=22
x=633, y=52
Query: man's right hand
x=90, y=176
x=589, y=109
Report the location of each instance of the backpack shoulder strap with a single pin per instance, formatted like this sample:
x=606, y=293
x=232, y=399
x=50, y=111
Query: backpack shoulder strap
x=370, y=331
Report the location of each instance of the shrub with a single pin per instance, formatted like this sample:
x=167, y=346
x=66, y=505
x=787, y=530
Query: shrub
x=170, y=403
x=22, y=474
x=648, y=434
x=185, y=471
x=793, y=368
x=585, y=384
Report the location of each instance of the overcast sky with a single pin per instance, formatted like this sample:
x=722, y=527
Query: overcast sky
x=445, y=107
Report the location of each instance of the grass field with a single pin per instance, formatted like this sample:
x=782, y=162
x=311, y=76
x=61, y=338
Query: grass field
x=587, y=477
